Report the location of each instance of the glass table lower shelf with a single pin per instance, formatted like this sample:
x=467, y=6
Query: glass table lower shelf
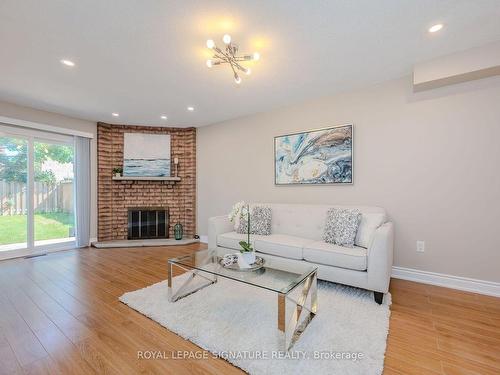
x=295, y=284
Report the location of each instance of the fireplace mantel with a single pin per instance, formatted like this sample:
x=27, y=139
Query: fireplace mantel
x=128, y=178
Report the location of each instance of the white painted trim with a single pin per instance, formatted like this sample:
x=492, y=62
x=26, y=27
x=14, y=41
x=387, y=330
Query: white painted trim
x=30, y=196
x=489, y=288
x=39, y=126
x=46, y=249
x=204, y=239
x=40, y=135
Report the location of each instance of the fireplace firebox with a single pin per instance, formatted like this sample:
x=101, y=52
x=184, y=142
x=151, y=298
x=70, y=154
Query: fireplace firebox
x=148, y=222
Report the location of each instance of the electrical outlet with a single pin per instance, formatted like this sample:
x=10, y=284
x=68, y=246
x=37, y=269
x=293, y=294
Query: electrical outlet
x=420, y=246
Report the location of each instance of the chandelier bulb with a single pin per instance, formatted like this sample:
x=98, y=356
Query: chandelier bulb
x=229, y=55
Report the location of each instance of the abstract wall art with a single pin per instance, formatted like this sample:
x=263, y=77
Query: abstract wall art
x=321, y=156
x=146, y=155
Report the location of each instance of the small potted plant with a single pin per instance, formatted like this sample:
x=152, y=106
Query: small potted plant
x=117, y=172
x=241, y=211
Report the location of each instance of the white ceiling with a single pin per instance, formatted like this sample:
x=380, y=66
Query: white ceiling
x=145, y=58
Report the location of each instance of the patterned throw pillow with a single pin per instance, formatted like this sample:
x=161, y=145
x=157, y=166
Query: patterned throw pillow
x=260, y=221
x=341, y=226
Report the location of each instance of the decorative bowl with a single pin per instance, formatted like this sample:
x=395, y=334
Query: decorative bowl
x=259, y=263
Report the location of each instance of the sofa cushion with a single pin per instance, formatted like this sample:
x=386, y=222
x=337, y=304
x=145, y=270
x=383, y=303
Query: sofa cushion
x=367, y=227
x=231, y=240
x=341, y=226
x=354, y=258
x=281, y=245
x=307, y=220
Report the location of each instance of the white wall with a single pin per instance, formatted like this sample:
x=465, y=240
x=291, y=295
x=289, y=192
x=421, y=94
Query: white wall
x=49, y=118
x=431, y=159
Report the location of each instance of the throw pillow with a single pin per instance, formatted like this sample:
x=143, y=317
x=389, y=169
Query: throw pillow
x=367, y=227
x=341, y=226
x=260, y=221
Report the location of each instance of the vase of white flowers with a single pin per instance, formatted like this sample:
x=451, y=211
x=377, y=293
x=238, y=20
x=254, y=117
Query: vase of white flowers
x=241, y=211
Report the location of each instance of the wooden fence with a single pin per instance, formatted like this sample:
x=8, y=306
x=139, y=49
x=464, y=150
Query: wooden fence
x=47, y=197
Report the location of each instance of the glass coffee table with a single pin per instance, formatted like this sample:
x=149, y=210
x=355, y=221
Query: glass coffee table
x=295, y=284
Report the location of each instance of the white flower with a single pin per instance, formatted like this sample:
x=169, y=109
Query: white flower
x=244, y=212
x=236, y=211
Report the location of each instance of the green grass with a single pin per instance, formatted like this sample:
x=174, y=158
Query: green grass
x=47, y=227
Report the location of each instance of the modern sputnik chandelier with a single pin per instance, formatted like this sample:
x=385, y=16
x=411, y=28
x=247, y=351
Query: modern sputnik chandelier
x=229, y=55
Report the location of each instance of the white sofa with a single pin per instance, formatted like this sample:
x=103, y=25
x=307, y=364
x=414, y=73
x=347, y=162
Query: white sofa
x=297, y=235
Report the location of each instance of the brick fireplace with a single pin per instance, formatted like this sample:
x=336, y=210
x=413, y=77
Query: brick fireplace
x=116, y=198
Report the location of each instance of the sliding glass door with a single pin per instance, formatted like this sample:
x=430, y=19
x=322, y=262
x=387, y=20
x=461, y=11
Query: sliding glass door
x=36, y=192
x=53, y=193
x=13, y=193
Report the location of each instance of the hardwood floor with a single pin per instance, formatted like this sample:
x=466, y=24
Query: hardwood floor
x=60, y=314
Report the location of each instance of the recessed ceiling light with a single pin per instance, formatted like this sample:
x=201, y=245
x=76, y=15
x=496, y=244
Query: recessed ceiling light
x=190, y=109
x=435, y=28
x=163, y=117
x=114, y=114
x=67, y=62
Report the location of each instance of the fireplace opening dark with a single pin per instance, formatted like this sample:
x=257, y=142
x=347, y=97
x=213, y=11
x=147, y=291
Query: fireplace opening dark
x=148, y=222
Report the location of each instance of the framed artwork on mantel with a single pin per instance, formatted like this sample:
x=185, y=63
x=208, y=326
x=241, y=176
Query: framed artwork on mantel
x=315, y=157
x=146, y=155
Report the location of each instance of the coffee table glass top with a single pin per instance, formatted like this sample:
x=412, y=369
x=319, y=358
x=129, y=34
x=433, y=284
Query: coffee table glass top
x=277, y=276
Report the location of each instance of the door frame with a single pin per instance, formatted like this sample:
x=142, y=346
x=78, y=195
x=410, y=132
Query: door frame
x=32, y=136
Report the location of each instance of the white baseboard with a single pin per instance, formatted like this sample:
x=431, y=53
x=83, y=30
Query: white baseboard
x=489, y=288
x=204, y=239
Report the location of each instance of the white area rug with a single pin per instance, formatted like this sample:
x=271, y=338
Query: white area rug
x=228, y=317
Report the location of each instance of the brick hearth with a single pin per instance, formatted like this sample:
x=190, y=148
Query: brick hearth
x=115, y=197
